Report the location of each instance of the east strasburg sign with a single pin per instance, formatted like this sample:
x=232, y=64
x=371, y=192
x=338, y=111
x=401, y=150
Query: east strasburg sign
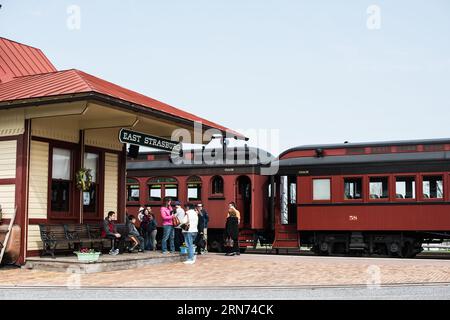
x=145, y=140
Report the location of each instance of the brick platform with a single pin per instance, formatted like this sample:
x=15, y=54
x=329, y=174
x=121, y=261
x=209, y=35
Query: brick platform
x=214, y=270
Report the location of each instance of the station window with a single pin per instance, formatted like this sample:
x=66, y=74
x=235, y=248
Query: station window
x=321, y=189
x=132, y=190
x=194, y=188
x=352, y=188
x=162, y=187
x=405, y=188
x=378, y=188
x=217, y=185
x=433, y=187
x=61, y=180
x=90, y=197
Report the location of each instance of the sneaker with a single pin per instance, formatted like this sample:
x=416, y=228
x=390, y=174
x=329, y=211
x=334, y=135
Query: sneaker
x=189, y=262
x=117, y=251
x=164, y=252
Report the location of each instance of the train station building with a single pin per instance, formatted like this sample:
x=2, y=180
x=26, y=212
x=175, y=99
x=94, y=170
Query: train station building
x=55, y=123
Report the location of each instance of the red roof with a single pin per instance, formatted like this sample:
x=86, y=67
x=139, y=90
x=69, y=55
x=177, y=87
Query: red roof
x=26, y=73
x=17, y=60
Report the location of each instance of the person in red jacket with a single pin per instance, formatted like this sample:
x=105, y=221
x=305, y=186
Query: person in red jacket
x=168, y=230
x=110, y=232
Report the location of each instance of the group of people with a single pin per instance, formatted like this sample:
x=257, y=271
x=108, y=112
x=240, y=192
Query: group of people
x=188, y=225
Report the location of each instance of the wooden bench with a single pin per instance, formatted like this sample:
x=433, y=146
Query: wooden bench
x=53, y=235
x=82, y=234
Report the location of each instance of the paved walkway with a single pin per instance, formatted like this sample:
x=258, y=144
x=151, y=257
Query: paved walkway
x=250, y=270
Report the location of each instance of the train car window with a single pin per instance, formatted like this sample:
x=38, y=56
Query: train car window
x=217, y=185
x=171, y=190
x=155, y=191
x=132, y=190
x=292, y=192
x=378, y=188
x=321, y=189
x=194, y=186
x=405, y=188
x=161, y=187
x=352, y=188
x=433, y=187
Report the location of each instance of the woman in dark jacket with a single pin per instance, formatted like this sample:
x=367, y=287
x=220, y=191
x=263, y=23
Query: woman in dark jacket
x=232, y=229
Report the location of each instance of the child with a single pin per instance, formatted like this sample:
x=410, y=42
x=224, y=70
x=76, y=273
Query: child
x=134, y=235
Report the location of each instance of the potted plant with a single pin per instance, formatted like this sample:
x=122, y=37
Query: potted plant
x=183, y=248
x=87, y=255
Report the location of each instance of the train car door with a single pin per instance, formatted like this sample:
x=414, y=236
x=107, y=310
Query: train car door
x=288, y=198
x=244, y=200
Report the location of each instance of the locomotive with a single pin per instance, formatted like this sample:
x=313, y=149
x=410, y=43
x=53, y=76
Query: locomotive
x=379, y=198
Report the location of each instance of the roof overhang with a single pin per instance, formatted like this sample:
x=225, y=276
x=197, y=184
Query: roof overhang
x=111, y=102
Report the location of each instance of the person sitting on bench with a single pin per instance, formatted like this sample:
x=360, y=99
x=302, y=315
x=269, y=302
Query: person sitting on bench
x=134, y=235
x=110, y=232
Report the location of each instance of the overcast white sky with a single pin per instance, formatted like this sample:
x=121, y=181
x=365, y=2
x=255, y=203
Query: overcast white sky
x=312, y=69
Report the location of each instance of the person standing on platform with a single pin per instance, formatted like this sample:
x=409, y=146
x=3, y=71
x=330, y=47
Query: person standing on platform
x=205, y=216
x=168, y=232
x=152, y=231
x=179, y=214
x=190, y=222
x=232, y=230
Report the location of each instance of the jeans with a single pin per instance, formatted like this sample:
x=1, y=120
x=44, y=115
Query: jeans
x=153, y=239
x=189, y=238
x=150, y=240
x=168, y=234
x=179, y=238
x=114, y=241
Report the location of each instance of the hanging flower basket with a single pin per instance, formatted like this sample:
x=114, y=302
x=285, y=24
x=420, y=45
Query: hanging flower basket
x=83, y=179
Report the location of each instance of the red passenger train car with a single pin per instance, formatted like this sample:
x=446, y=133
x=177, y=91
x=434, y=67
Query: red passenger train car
x=153, y=176
x=373, y=198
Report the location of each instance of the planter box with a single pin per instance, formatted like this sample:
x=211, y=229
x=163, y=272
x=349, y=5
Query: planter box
x=88, y=257
x=183, y=250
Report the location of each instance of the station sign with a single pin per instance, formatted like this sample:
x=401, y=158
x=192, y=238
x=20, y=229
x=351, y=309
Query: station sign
x=146, y=140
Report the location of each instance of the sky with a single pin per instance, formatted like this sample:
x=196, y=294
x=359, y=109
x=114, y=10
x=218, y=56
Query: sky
x=316, y=71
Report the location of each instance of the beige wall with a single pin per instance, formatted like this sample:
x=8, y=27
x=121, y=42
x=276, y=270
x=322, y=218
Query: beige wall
x=111, y=182
x=12, y=122
x=103, y=138
x=8, y=155
x=8, y=199
x=34, y=238
x=63, y=129
x=38, y=183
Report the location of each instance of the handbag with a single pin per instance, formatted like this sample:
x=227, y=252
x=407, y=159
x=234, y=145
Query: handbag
x=229, y=242
x=175, y=221
x=185, y=226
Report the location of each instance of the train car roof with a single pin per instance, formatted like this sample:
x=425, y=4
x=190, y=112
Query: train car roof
x=144, y=164
x=366, y=144
x=365, y=158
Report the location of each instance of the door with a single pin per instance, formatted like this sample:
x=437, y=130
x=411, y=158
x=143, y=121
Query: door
x=244, y=200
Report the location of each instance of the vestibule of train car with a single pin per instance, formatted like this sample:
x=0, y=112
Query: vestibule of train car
x=244, y=199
